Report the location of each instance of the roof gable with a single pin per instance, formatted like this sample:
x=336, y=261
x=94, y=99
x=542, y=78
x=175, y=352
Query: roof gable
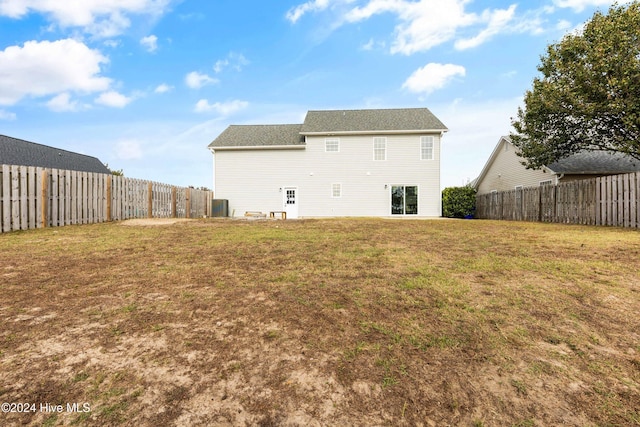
x=18, y=152
x=371, y=121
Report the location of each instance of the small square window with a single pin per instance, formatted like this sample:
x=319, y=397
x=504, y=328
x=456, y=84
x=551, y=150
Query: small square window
x=336, y=190
x=426, y=148
x=331, y=145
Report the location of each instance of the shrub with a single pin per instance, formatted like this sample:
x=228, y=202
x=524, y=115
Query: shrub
x=458, y=202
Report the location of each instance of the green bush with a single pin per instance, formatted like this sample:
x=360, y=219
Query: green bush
x=458, y=202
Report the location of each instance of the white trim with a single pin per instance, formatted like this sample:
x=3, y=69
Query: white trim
x=376, y=132
x=261, y=147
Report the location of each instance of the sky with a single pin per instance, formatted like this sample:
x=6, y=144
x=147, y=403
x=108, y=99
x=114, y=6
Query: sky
x=146, y=85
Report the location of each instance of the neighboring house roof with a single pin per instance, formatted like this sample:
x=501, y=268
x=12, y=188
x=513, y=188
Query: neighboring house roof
x=595, y=162
x=371, y=121
x=18, y=152
x=253, y=136
x=329, y=122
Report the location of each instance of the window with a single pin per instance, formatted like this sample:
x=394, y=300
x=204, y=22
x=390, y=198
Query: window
x=331, y=145
x=336, y=190
x=547, y=182
x=426, y=148
x=404, y=200
x=379, y=148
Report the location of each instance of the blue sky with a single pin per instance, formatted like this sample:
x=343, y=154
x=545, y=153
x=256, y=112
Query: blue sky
x=146, y=85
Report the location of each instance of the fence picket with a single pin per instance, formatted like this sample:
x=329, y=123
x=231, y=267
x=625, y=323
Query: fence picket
x=34, y=197
x=610, y=200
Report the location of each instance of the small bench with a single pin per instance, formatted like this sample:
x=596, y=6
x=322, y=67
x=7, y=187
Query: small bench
x=283, y=214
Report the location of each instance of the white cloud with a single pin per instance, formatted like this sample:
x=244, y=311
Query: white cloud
x=235, y=61
x=129, y=150
x=113, y=99
x=62, y=103
x=150, y=43
x=580, y=5
x=48, y=68
x=372, y=44
x=224, y=108
x=498, y=21
x=105, y=18
x=432, y=77
x=7, y=115
x=196, y=80
x=163, y=88
x=424, y=24
x=295, y=13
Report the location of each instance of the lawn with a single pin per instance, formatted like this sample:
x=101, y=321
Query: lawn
x=321, y=322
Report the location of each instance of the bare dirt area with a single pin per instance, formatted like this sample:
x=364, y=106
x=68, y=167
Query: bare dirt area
x=320, y=322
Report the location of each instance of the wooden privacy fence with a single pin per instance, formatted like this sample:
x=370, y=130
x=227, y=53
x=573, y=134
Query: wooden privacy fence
x=610, y=200
x=34, y=197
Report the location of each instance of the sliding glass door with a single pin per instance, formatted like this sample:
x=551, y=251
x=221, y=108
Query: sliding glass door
x=404, y=200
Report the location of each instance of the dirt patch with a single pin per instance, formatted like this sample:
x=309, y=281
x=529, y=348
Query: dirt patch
x=154, y=221
x=321, y=322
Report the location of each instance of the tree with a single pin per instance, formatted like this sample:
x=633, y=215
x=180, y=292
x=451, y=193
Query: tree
x=588, y=97
x=118, y=172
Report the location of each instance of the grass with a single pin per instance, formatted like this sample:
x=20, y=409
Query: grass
x=436, y=322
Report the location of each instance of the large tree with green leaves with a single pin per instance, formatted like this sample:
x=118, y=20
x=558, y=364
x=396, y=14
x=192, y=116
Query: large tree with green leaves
x=588, y=97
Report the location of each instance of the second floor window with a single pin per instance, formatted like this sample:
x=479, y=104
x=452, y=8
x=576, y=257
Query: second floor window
x=426, y=148
x=331, y=145
x=379, y=148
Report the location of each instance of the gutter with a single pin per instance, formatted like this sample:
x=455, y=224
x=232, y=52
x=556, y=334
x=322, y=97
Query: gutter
x=258, y=147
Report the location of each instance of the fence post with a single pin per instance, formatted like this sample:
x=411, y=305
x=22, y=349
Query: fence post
x=150, y=201
x=188, y=203
x=109, y=198
x=44, y=195
x=174, y=202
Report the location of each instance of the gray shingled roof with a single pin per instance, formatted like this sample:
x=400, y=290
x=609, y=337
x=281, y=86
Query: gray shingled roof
x=329, y=122
x=402, y=119
x=596, y=162
x=18, y=152
x=259, y=136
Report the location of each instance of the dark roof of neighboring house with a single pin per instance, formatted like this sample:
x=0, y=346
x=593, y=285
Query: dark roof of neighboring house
x=596, y=162
x=389, y=120
x=18, y=152
x=259, y=136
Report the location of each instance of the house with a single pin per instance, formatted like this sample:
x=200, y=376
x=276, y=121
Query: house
x=18, y=152
x=383, y=162
x=504, y=170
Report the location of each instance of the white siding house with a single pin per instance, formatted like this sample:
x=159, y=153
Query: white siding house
x=337, y=163
x=504, y=170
